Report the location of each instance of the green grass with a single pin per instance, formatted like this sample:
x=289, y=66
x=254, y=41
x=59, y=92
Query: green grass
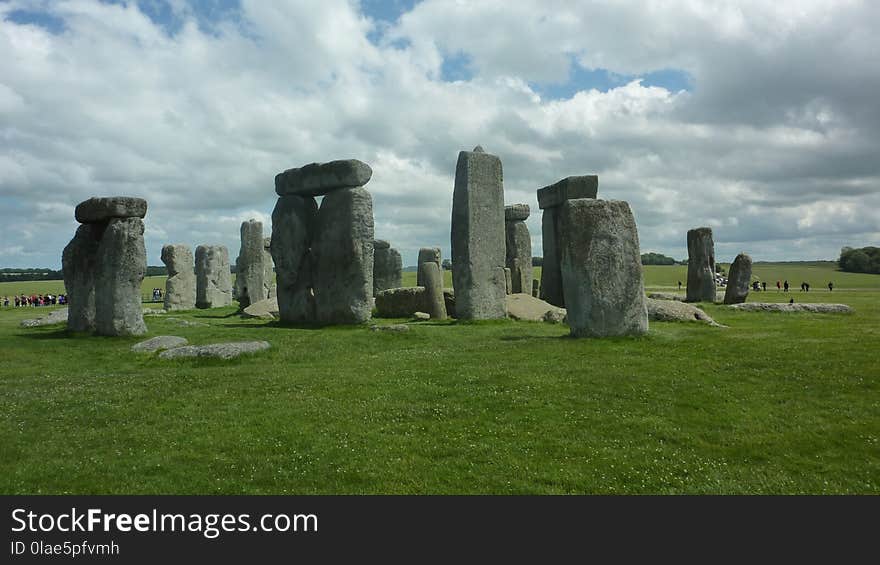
x=776, y=403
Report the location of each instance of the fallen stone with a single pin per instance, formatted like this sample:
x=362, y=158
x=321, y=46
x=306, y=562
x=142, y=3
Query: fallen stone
x=421, y=316
x=525, y=307
x=390, y=328
x=701, y=265
x=264, y=309
x=101, y=210
x=404, y=302
x=602, y=269
x=796, y=307
x=557, y=316
x=478, y=243
x=158, y=343
x=569, y=188
x=186, y=323
x=54, y=317
x=667, y=296
x=180, y=286
x=676, y=311
x=154, y=311
x=318, y=179
x=739, y=279
x=216, y=350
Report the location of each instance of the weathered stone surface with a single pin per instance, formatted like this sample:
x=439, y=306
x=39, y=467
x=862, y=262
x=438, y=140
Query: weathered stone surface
x=421, y=316
x=293, y=224
x=121, y=264
x=102, y=210
x=796, y=307
x=395, y=328
x=251, y=282
x=569, y=188
x=528, y=308
x=387, y=267
x=217, y=350
x=739, y=279
x=54, y=317
x=602, y=269
x=269, y=268
x=435, y=305
x=265, y=309
x=158, y=343
x=404, y=302
x=667, y=296
x=508, y=281
x=557, y=316
x=213, y=277
x=519, y=256
x=428, y=254
x=478, y=246
x=701, y=265
x=551, y=271
x=343, y=248
x=317, y=179
x=186, y=323
x=516, y=212
x=676, y=311
x=180, y=286
x=536, y=288
x=79, y=263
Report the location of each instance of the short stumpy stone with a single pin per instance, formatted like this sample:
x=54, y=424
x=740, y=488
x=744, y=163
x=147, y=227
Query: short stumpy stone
x=602, y=269
x=251, y=282
x=343, y=249
x=701, y=265
x=427, y=254
x=387, y=267
x=213, y=277
x=478, y=247
x=121, y=265
x=738, y=280
x=435, y=304
x=293, y=223
x=104, y=209
x=180, y=286
x=79, y=263
x=318, y=179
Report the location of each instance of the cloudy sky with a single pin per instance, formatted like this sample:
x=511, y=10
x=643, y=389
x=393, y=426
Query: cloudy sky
x=760, y=119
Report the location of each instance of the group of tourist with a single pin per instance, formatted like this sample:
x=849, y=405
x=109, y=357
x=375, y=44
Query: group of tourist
x=20, y=301
x=157, y=294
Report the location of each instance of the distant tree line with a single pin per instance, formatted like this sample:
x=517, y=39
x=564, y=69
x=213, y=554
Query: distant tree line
x=656, y=259
x=16, y=275
x=861, y=260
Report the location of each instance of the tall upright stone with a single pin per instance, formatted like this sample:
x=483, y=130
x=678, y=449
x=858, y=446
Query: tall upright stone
x=478, y=243
x=550, y=199
x=251, y=279
x=79, y=264
x=387, y=267
x=701, y=265
x=121, y=266
x=738, y=280
x=180, y=286
x=104, y=266
x=293, y=225
x=427, y=254
x=519, y=247
x=213, y=277
x=435, y=303
x=343, y=248
x=601, y=268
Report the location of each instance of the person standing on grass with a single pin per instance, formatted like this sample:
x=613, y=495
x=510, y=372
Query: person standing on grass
x=830, y=286
x=679, y=285
x=778, y=286
x=6, y=302
x=764, y=286
x=785, y=285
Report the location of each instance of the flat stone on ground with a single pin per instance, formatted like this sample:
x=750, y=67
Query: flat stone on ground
x=265, y=309
x=54, y=317
x=677, y=311
x=796, y=307
x=390, y=328
x=98, y=210
x=527, y=307
x=317, y=179
x=159, y=342
x=216, y=350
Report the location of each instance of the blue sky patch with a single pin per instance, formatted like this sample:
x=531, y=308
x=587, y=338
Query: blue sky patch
x=50, y=23
x=604, y=80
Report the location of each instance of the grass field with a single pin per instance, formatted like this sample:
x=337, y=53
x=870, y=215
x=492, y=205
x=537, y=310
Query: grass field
x=775, y=403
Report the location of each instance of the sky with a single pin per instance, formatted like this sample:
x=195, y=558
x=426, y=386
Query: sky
x=758, y=119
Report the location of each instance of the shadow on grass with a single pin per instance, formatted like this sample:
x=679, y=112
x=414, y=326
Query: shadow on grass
x=50, y=334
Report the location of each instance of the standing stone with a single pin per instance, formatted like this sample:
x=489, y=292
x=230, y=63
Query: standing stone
x=478, y=246
x=121, y=265
x=602, y=269
x=738, y=280
x=251, y=282
x=536, y=287
x=519, y=247
x=508, y=281
x=180, y=286
x=79, y=262
x=387, y=267
x=293, y=223
x=701, y=265
x=213, y=278
x=435, y=303
x=428, y=254
x=550, y=199
x=343, y=248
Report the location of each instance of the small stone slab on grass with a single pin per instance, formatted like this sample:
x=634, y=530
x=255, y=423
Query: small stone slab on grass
x=796, y=307
x=216, y=350
x=158, y=343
